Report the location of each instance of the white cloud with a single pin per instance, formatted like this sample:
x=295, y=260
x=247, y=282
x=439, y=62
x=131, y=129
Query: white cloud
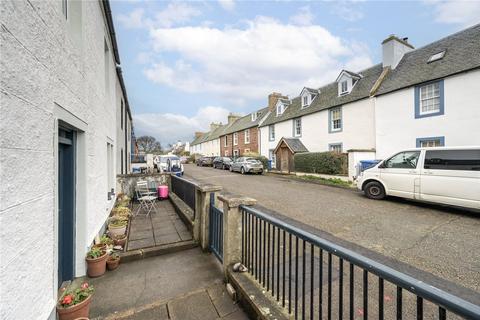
x=228, y=5
x=170, y=127
x=174, y=13
x=304, y=17
x=248, y=63
x=463, y=13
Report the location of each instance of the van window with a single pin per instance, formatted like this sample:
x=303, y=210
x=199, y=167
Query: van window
x=403, y=160
x=452, y=160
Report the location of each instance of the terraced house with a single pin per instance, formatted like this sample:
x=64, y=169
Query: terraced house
x=66, y=131
x=242, y=135
x=404, y=102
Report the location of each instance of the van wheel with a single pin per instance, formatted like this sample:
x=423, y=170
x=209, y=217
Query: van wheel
x=374, y=190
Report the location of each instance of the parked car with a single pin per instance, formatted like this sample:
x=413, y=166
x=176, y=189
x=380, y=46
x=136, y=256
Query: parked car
x=446, y=175
x=205, y=161
x=222, y=163
x=246, y=165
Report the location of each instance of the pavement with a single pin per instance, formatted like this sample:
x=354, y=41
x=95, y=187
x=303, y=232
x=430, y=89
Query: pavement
x=186, y=285
x=440, y=240
x=161, y=227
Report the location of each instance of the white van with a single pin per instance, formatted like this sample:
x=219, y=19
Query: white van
x=447, y=175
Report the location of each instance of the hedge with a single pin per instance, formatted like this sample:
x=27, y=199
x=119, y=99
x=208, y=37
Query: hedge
x=322, y=162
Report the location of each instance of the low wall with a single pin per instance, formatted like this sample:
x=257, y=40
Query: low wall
x=126, y=182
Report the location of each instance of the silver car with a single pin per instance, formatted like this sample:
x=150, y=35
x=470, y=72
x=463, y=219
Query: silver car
x=246, y=164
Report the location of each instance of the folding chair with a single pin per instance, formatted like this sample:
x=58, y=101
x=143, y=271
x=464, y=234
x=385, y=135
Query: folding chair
x=146, y=198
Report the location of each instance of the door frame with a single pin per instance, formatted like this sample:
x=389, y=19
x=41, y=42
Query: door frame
x=63, y=117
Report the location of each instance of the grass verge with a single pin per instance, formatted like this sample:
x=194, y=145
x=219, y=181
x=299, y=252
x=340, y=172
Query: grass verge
x=330, y=182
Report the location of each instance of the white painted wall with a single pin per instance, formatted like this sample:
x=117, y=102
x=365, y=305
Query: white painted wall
x=52, y=69
x=207, y=148
x=397, y=128
x=358, y=129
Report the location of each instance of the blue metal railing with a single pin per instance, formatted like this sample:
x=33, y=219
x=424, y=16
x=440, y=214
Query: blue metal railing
x=309, y=275
x=215, y=228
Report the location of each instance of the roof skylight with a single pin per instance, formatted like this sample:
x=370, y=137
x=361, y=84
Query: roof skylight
x=436, y=56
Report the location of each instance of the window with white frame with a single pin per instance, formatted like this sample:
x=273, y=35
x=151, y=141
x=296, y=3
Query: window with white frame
x=235, y=153
x=430, y=142
x=235, y=138
x=335, y=119
x=279, y=109
x=344, y=87
x=271, y=132
x=335, y=147
x=305, y=101
x=297, y=127
x=430, y=98
x=225, y=144
x=247, y=136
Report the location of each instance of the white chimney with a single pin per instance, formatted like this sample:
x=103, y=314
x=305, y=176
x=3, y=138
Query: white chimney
x=394, y=49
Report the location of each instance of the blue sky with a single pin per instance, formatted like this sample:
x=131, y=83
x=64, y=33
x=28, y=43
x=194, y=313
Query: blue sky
x=187, y=64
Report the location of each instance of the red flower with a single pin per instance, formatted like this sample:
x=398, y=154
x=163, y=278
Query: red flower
x=85, y=285
x=67, y=299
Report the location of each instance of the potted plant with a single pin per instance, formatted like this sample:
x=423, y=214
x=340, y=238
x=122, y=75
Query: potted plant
x=121, y=212
x=96, y=262
x=119, y=240
x=75, y=304
x=117, y=226
x=113, y=261
x=106, y=240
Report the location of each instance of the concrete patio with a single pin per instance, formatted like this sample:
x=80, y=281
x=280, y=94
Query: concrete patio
x=183, y=285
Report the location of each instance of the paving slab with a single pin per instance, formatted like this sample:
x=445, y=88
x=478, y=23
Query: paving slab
x=222, y=301
x=161, y=278
x=142, y=243
x=155, y=313
x=197, y=306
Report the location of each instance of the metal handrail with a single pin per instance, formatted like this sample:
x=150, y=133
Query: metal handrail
x=450, y=302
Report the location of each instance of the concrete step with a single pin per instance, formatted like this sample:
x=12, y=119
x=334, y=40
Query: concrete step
x=139, y=254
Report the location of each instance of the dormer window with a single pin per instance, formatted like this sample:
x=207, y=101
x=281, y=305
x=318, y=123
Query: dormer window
x=344, y=87
x=307, y=95
x=254, y=116
x=279, y=109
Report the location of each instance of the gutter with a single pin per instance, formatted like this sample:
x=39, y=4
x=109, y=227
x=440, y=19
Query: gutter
x=111, y=29
x=124, y=90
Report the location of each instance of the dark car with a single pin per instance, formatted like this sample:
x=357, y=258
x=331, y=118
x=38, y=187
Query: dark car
x=222, y=163
x=205, y=161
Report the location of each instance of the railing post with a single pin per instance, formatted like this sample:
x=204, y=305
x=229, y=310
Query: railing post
x=232, y=228
x=202, y=208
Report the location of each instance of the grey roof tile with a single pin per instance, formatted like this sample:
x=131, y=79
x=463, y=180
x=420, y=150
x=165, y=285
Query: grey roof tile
x=328, y=97
x=246, y=122
x=462, y=54
x=294, y=144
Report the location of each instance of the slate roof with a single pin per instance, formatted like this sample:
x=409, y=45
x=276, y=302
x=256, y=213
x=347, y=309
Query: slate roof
x=328, y=97
x=246, y=122
x=293, y=144
x=210, y=135
x=462, y=54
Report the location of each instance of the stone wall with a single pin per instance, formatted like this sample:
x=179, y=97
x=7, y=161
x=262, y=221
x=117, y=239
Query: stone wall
x=126, y=182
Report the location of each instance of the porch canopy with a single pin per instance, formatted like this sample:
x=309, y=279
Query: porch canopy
x=284, y=152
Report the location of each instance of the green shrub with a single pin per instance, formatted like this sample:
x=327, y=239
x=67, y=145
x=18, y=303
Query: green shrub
x=322, y=162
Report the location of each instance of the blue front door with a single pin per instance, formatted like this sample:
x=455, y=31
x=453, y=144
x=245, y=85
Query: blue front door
x=66, y=205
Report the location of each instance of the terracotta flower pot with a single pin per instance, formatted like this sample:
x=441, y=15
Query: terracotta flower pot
x=97, y=267
x=120, y=241
x=113, y=264
x=117, y=231
x=101, y=246
x=77, y=311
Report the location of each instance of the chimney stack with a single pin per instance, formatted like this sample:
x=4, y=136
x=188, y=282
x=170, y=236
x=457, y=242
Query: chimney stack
x=393, y=50
x=273, y=98
x=232, y=118
x=198, y=134
x=214, y=125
